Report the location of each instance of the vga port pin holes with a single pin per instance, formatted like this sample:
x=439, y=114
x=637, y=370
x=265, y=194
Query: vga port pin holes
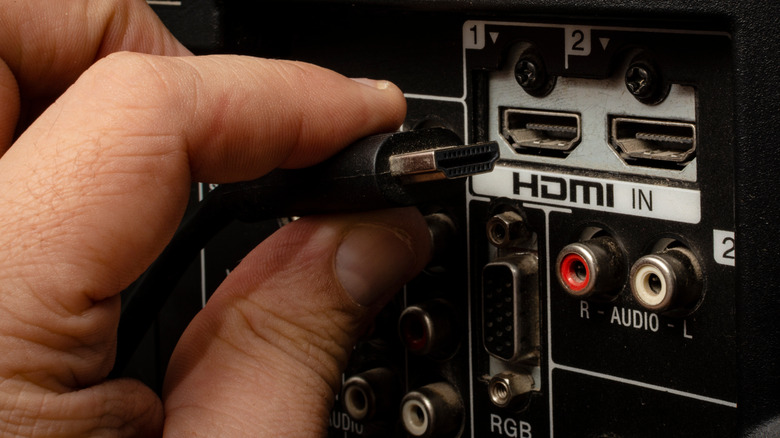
x=510, y=290
x=511, y=306
x=669, y=280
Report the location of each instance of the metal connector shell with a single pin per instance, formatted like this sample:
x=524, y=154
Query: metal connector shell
x=446, y=162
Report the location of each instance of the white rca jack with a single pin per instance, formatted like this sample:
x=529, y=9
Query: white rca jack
x=669, y=281
x=371, y=395
x=433, y=411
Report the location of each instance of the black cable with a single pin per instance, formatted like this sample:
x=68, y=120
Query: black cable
x=142, y=301
x=382, y=171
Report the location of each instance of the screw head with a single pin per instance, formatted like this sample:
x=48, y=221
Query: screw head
x=645, y=81
x=527, y=73
x=531, y=74
x=639, y=81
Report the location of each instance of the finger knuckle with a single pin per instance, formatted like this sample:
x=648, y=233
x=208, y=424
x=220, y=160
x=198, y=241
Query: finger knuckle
x=130, y=79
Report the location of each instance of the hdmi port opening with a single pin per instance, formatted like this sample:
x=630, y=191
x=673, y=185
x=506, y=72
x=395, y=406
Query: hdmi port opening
x=540, y=132
x=653, y=143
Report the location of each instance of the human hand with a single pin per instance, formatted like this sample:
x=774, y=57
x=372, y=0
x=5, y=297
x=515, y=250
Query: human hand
x=94, y=187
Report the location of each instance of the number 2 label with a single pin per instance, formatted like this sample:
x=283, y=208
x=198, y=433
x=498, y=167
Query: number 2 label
x=577, y=42
x=723, y=244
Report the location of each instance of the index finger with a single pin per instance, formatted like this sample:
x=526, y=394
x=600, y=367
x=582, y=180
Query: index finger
x=94, y=189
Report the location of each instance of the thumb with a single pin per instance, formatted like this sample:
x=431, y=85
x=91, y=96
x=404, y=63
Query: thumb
x=277, y=334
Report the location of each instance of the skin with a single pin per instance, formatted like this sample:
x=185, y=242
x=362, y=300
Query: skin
x=105, y=121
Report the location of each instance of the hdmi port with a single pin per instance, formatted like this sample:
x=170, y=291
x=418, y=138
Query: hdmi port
x=654, y=143
x=540, y=132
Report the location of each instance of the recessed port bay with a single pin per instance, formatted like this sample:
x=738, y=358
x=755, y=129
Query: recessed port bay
x=653, y=143
x=510, y=308
x=536, y=132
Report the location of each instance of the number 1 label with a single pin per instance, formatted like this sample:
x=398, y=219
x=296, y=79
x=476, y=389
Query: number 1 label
x=474, y=35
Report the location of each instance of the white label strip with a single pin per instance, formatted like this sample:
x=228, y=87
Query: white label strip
x=645, y=200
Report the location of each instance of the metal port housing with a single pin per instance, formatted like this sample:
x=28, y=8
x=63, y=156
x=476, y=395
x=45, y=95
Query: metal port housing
x=510, y=307
x=653, y=143
x=540, y=132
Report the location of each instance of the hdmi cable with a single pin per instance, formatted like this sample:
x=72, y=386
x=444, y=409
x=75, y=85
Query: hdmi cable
x=406, y=168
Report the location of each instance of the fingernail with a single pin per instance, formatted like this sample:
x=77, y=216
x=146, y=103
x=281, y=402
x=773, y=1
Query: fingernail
x=379, y=85
x=374, y=261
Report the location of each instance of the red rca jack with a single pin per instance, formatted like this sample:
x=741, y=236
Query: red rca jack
x=428, y=329
x=574, y=272
x=592, y=268
x=668, y=281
